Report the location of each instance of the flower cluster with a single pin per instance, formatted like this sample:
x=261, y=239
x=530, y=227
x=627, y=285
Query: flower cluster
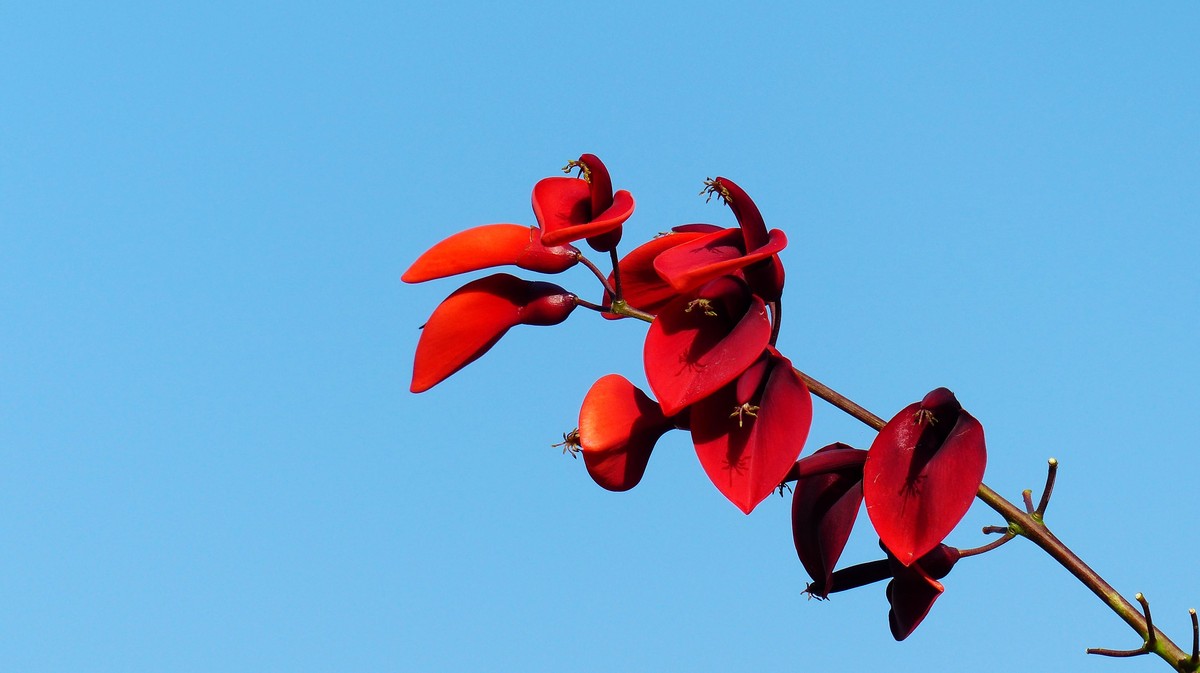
x=713, y=297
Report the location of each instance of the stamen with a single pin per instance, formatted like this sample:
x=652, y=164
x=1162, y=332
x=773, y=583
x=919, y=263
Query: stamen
x=711, y=188
x=744, y=410
x=924, y=415
x=703, y=304
x=584, y=171
x=570, y=443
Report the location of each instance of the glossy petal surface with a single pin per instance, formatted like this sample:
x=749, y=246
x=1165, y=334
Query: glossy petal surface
x=747, y=455
x=824, y=508
x=618, y=427
x=487, y=246
x=922, y=473
x=472, y=319
x=717, y=254
x=690, y=354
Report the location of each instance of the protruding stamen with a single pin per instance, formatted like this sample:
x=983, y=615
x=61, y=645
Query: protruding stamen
x=714, y=188
x=744, y=410
x=584, y=172
x=570, y=443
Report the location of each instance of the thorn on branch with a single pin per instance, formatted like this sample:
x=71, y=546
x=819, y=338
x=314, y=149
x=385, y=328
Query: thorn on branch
x=1151, y=638
x=1194, y=662
x=1051, y=472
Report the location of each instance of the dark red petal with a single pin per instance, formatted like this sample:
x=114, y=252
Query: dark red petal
x=836, y=457
x=472, y=320
x=746, y=456
x=750, y=220
x=921, y=474
x=911, y=595
x=641, y=285
x=690, y=355
x=599, y=182
x=824, y=508
x=487, y=246
x=720, y=253
x=618, y=426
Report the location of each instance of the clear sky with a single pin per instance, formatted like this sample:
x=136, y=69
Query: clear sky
x=209, y=459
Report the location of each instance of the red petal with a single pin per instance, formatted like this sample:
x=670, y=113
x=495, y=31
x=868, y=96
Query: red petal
x=750, y=220
x=487, y=246
x=911, y=595
x=472, y=320
x=824, y=508
x=747, y=457
x=690, y=355
x=914, y=589
x=920, y=478
x=641, y=285
x=720, y=253
x=618, y=426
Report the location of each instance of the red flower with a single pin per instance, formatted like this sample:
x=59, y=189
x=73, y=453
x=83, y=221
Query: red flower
x=700, y=343
x=487, y=246
x=569, y=209
x=472, y=320
x=748, y=433
x=750, y=247
x=827, y=496
x=618, y=427
x=921, y=474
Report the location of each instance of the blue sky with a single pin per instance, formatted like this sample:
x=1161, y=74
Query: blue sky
x=209, y=459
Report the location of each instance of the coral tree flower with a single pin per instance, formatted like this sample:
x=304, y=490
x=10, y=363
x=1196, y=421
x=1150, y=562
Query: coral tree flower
x=749, y=433
x=471, y=321
x=618, y=427
x=487, y=246
x=750, y=247
x=921, y=474
x=825, y=503
x=700, y=343
x=569, y=209
x=912, y=588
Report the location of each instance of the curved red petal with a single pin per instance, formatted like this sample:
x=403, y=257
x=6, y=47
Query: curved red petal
x=747, y=455
x=911, y=595
x=750, y=220
x=824, y=508
x=689, y=354
x=487, y=246
x=618, y=427
x=472, y=319
x=917, y=490
x=717, y=254
x=641, y=285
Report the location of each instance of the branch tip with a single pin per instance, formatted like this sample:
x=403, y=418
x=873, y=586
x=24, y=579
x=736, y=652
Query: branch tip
x=1051, y=473
x=1027, y=496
